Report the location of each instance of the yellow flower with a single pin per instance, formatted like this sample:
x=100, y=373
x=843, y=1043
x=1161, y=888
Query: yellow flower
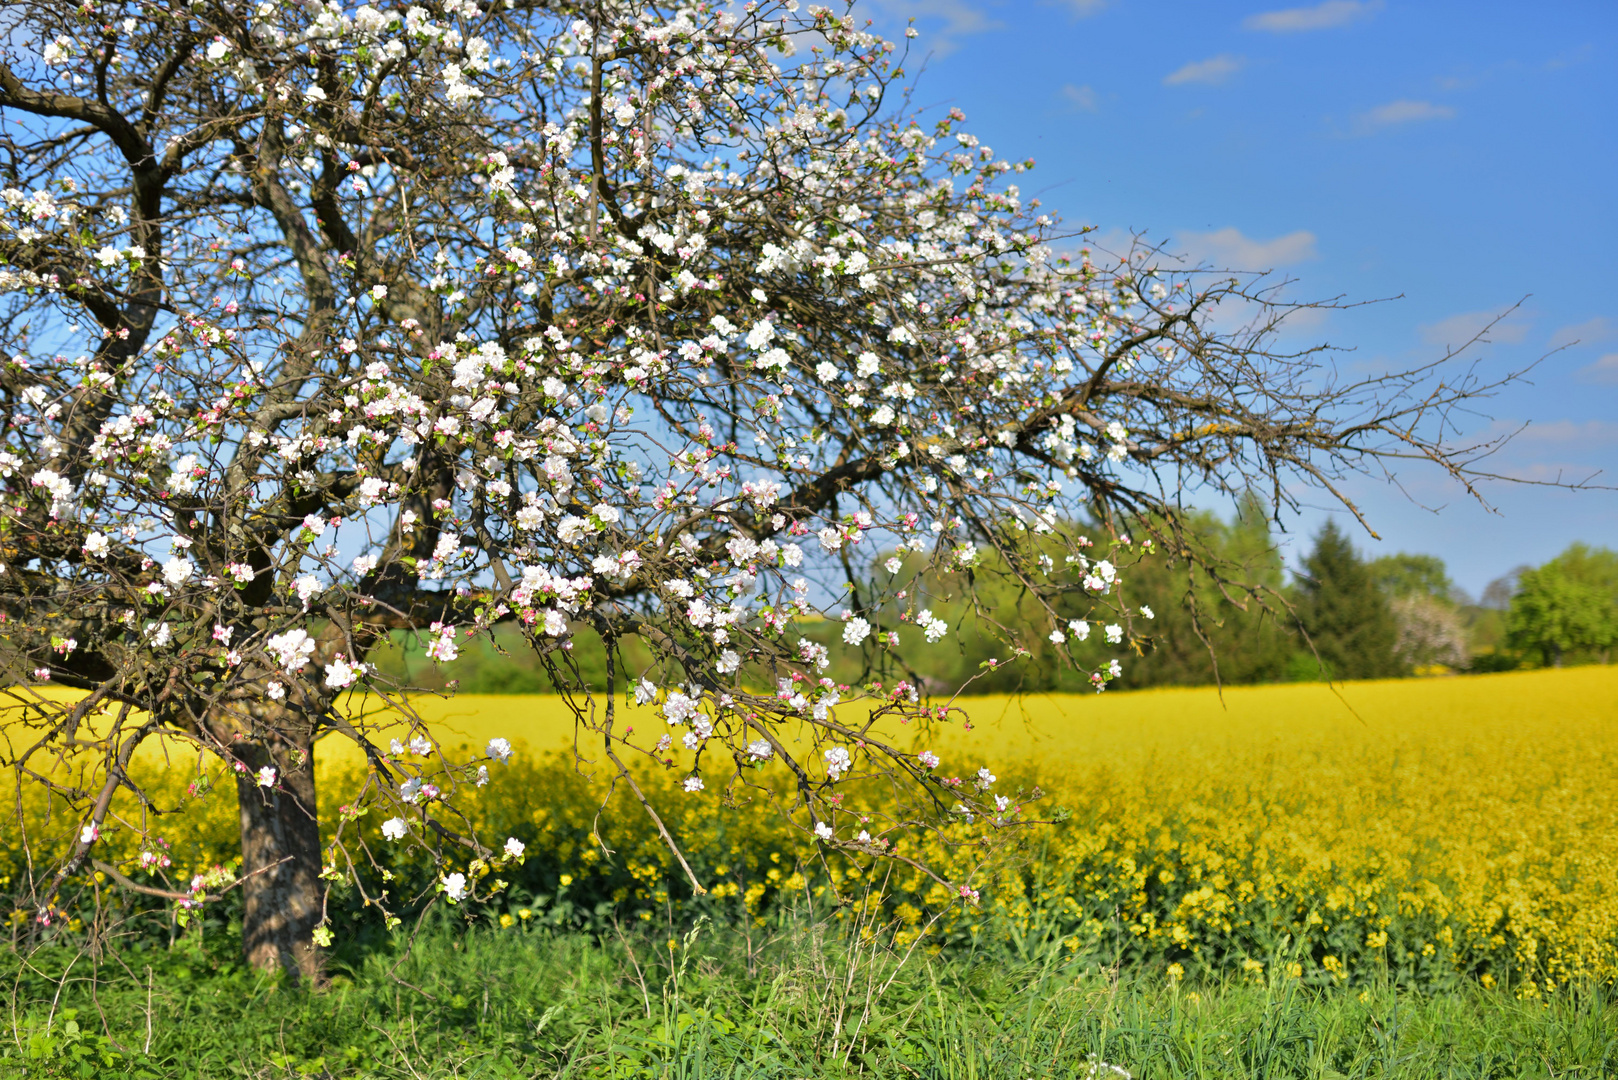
x=1164, y=838
x=506, y=921
x=1176, y=972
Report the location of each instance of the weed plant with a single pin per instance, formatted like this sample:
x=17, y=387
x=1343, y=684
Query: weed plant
x=803, y=997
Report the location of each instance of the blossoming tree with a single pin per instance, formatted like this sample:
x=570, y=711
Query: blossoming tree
x=324, y=324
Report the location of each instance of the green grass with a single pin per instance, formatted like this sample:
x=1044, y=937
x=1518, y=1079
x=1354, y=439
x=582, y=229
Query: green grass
x=798, y=1000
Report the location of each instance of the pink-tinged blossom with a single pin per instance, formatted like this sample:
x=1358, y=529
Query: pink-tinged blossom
x=340, y=674
x=679, y=707
x=291, y=649
x=442, y=648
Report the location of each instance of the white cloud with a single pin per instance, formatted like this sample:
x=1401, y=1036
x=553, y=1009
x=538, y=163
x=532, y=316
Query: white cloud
x=1210, y=72
x=1086, y=8
x=1080, y=98
x=1324, y=16
x=1570, y=432
x=1603, y=371
x=1229, y=249
x=1572, y=58
x=942, y=22
x=1457, y=330
x=1590, y=332
x=1403, y=111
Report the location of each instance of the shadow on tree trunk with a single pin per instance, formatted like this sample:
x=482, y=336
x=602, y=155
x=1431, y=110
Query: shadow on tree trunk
x=281, y=868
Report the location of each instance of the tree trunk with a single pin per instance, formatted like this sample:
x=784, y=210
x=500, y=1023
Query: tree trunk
x=281, y=863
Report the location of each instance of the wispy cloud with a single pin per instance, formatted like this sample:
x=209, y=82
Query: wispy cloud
x=1457, y=330
x=1571, y=58
x=1403, y=111
x=1571, y=432
x=1326, y=16
x=1080, y=98
x=1590, y=332
x=1230, y=249
x=943, y=22
x=1604, y=371
x=1085, y=8
x=1210, y=72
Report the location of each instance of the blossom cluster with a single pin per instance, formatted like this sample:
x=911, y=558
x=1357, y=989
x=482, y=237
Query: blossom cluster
x=711, y=348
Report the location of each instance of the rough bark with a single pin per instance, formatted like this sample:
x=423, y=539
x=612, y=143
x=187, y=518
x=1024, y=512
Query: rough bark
x=281, y=867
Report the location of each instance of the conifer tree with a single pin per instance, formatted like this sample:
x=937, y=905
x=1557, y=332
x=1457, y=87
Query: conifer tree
x=1347, y=618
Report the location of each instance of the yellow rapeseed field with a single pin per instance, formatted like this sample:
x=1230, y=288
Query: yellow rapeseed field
x=1434, y=829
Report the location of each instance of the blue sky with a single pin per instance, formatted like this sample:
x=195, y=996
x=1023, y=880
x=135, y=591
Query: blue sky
x=1464, y=155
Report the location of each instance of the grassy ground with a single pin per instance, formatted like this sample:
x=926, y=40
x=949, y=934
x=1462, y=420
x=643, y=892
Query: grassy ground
x=797, y=1002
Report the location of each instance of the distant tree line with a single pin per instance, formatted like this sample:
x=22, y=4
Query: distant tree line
x=1338, y=616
